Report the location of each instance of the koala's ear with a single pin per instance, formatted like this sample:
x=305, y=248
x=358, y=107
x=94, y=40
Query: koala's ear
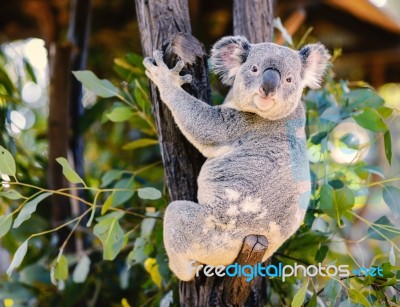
x=227, y=55
x=315, y=59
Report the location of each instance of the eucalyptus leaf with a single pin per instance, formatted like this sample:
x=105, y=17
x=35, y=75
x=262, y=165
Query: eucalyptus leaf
x=335, y=202
x=299, y=297
x=107, y=204
x=18, y=257
x=358, y=298
x=392, y=256
x=111, y=176
x=68, y=172
x=140, y=143
x=111, y=236
x=388, y=146
x=5, y=224
x=102, y=88
x=61, y=268
x=11, y=194
x=331, y=291
x=138, y=253
x=371, y=120
x=7, y=162
x=391, y=196
x=379, y=233
x=363, y=98
x=122, y=196
x=149, y=193
x=81, y=270
x=29, y=208
x=120, y=114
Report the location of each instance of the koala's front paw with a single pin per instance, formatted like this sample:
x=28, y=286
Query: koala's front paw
x=161, y=75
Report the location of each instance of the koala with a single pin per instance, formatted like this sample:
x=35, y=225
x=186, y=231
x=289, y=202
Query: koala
x=256, y=179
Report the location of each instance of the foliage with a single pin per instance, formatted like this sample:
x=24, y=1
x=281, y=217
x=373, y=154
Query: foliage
x=123, y=261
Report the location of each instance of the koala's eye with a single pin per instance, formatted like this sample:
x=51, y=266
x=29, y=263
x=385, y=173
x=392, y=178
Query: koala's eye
x=254, y=68
x=288, y=80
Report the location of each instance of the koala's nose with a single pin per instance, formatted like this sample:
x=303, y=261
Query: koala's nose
x=270, y=80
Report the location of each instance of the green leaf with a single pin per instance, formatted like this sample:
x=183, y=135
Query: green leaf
x=29, y=208
x=120, y=114
x=331, y=291
x=61, y=268
x=81, y=270
x=391, y=196
x=313, y=301
x=363, y=98
x=364, y=170
x=18, y=257
x=151, y=266
x=285, y=34
x=148, y=223
x=138, y=253
x=126, y=65
x=392, y=256
x=358, y=298
x=321, y=254
x=336, y=202
x=385, y=112
x=68, y=172
x=317, y=138
x=11, y=194
x=5, y=224
x=298, y=299
x=122, y=196
x=149, y=193
x=110, y=176
x=136, y=60
x=107, y=204
x=388, y=146
x=370, y=119
x=102, y=88
x=29, y=70
x=139, y=144
x=111, y=236
x=386, y=232
x=7, y=162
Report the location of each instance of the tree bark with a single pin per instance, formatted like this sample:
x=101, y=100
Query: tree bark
x=78, y=36
x=254, y=19
x=58, y=128
x=163, y=24
x=160, y=25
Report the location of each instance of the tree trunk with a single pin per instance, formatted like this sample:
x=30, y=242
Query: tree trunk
x=163, y=24
x=160, y=24
x=78, y=35
x=58, y=128
x=254, y=19
x=65, y=111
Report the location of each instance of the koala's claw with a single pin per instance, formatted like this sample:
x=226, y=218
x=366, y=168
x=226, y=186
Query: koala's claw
x=158, y=72
x=186, y=79
x=158, y=57
x=178, y=67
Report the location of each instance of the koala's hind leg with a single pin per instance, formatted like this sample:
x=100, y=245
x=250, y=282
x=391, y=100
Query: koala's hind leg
x=183, y=222
x=192, y=235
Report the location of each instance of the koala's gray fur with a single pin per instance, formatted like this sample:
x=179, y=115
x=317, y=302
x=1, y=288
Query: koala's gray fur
x=256, y=179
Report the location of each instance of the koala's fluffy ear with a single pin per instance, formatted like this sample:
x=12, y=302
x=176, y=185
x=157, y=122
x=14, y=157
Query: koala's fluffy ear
x=315, y=59
x=227, y=55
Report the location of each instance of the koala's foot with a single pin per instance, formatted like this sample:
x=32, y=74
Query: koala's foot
x=192, y=235
x=158, y=72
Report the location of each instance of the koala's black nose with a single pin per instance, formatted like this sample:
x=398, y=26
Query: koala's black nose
x=270, y=81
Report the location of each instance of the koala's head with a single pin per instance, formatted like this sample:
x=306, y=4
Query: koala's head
x=267, y=79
